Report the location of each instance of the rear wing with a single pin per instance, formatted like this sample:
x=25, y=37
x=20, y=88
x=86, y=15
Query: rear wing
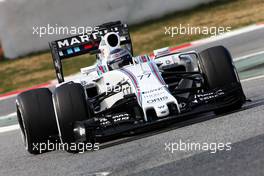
x=86, y=44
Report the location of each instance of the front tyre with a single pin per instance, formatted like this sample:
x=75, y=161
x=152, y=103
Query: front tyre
x=36, y=119
x=218, y=70
x=70, y=106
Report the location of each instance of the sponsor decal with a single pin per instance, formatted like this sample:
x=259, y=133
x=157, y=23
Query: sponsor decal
x=210, y=95
x=151, y=91
x=157, y=94
x=159, y=99
x=84, y=38
x=145, y=75
x=161, y=107
x=73, y=40
x=120, y=117
x=115, y=119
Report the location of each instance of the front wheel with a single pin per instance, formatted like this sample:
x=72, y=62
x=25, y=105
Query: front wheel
x=70, y=107
x=36, y=119
x=218, y=70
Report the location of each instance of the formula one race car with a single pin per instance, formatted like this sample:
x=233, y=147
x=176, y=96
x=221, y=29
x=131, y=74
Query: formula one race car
x=122, y=93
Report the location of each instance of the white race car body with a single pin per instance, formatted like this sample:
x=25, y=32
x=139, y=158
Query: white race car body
x=143, y=78
x=122, y=94
x=145, y=82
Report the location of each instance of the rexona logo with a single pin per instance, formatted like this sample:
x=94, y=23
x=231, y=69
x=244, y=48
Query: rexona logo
x=159, y=99
x=85, y=38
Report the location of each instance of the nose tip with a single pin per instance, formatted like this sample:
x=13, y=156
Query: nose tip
x=162, y=110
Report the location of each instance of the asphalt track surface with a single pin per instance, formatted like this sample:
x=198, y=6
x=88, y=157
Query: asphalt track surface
x=146, y=154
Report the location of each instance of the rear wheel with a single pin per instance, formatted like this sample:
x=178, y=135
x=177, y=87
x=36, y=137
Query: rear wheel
x=70, y=106
x=218, y=70
x=36, y=119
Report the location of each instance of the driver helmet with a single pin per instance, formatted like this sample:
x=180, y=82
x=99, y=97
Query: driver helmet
x=119, y=58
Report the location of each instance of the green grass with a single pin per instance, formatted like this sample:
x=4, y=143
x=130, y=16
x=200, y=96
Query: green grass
x=38, y=68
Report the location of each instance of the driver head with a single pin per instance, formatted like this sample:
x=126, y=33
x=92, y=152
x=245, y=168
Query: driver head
x=119, y=58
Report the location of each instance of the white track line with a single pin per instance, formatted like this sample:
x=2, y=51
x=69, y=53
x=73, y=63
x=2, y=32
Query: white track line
x=249, y=55
x=253, y=78
x=9, y=128
x=7, y=97
x=8, y=116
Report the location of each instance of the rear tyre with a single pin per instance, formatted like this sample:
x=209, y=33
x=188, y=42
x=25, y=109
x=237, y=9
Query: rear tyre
x=218, y=70
x=36, y=119
x=70, y=106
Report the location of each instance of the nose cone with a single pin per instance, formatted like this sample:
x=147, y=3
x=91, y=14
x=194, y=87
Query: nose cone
x=162, y=110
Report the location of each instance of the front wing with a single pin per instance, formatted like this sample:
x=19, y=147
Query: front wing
x=95, y=129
